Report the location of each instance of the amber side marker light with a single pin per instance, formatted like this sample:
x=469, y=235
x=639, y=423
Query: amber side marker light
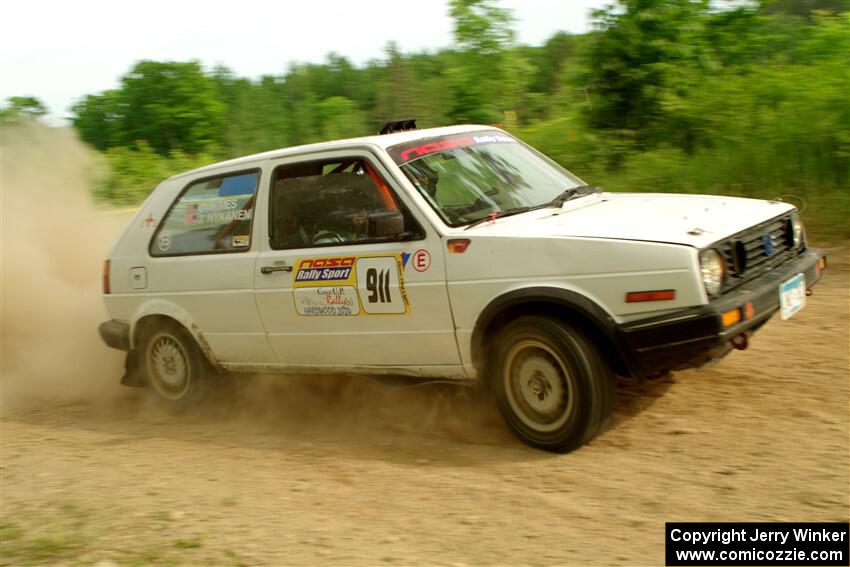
x=731, y=317
x=106, y=288
x=749, y=310
x=820, y=266
x=458, y=245
x=658, y=295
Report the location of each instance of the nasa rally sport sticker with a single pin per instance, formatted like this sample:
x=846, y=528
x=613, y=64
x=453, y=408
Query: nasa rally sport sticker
x=343, y=286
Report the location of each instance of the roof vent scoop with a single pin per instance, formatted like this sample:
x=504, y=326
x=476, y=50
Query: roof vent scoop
x=398, y=126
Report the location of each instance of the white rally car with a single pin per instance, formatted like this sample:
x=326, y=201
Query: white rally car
x=449, y=253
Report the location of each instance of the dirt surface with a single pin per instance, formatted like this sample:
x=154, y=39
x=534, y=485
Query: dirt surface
x=321, y=471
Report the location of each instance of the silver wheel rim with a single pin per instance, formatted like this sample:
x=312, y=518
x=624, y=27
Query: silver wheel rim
x=168, y=364
x=537, y=385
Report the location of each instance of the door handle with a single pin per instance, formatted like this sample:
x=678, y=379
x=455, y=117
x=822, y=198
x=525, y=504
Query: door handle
x=272, y=269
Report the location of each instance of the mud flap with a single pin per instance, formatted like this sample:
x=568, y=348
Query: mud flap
x=133, y=374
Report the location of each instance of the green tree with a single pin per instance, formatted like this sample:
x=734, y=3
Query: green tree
x=746, y=98
x=804, y=8
x=99, y=120
x=27, y=106
x=169, y=105
x=487, y=77
x=339, y=117
x=481, y=26
x=230, y=91
x=397, y=93
x=646, y=57
x=550, y=61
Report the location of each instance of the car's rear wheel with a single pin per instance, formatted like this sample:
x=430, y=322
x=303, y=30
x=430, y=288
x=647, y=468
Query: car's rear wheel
x=176, y=370
x=551, y=385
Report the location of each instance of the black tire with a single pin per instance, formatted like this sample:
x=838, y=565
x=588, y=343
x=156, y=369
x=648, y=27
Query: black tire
x=174, y=367
x=551, y=385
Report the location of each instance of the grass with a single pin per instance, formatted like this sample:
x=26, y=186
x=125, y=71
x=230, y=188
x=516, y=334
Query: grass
x=66, y=533
x=151, y=556
x=193, y=543
x=161, y=516
x=76, y=535
x=20, y=549
x=234, y=559
x=9, y=532
x=36, y=538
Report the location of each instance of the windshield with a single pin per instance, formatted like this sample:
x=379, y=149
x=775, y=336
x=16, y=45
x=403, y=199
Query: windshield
x=469, y=177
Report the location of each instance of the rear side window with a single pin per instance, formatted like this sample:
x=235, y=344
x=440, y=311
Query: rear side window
x=212, y=215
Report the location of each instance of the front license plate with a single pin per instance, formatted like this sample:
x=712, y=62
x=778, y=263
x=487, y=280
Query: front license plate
x=792, y=296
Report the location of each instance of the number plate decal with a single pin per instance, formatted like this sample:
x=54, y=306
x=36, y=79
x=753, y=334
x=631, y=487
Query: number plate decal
x=350, y=286
x=792, y=296
x=379, y=283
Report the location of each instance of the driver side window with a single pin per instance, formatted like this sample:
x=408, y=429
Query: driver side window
x=327, y=203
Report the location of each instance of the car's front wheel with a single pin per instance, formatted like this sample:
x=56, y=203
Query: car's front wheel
x=176, y=370
x=551, y=384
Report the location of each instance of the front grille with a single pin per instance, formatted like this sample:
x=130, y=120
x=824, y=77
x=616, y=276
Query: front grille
x=757, y=250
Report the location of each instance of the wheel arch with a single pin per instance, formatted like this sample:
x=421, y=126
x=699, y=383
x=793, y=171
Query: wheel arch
x=155, y=312
x=562, y=304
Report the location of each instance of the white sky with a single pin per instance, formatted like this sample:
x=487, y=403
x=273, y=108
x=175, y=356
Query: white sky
x=60, y=51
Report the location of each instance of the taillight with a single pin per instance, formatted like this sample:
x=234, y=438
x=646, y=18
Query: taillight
x=106, y=287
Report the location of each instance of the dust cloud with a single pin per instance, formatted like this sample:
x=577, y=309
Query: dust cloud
x=54, y=242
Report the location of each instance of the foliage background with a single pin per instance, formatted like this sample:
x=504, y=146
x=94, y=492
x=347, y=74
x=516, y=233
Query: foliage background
x=747, y=99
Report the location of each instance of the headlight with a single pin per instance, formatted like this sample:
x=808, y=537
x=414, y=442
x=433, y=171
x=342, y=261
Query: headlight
x=796, y=230
x=713, y=270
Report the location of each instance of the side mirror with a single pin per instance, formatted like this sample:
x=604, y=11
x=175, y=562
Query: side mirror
x=385, y=224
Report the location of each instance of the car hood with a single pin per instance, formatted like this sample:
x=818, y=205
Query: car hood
x=693, y=220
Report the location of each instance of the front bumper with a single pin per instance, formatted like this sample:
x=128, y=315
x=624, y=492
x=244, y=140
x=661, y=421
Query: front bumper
x=696, y=335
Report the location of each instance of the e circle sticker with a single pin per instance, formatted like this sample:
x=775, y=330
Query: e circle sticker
x=421, y=260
